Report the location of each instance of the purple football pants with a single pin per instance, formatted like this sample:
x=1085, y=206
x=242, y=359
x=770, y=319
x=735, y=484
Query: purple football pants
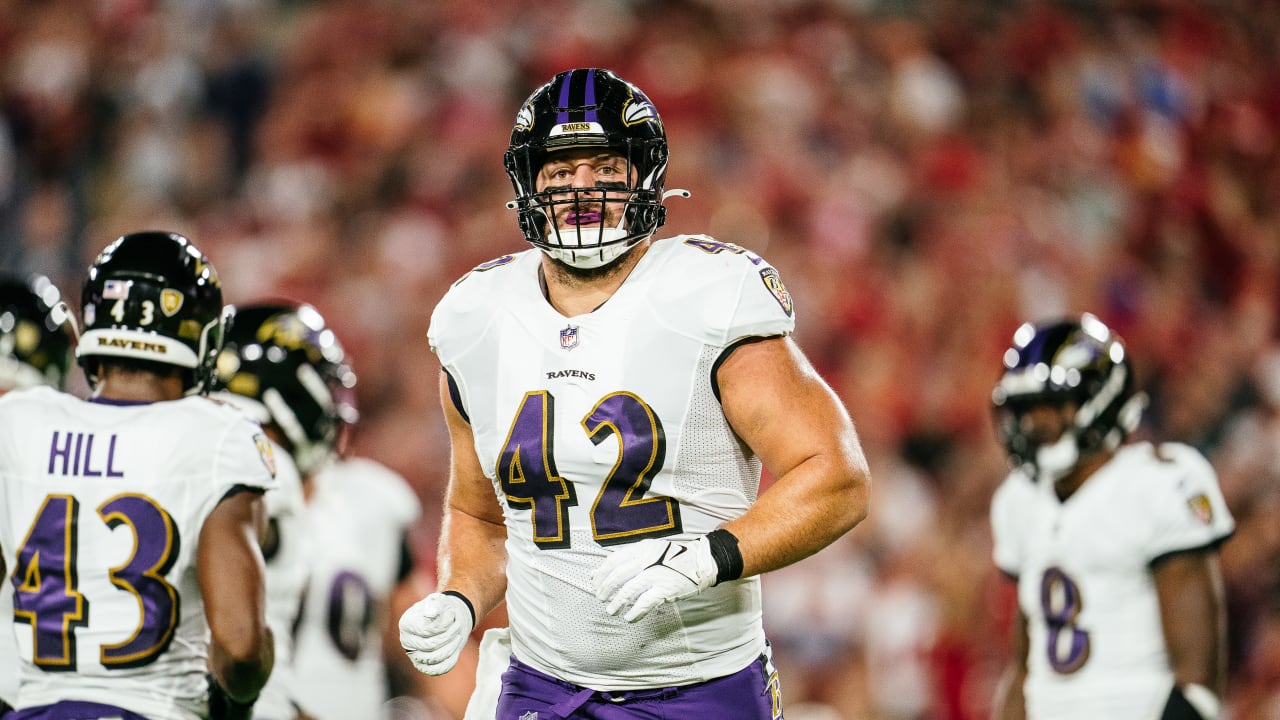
x=752, y=693
x=72, y=710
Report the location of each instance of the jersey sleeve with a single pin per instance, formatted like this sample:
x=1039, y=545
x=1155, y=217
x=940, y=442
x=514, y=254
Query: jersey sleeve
x=738, y=293
x=286, y=499
x=1187, y=510
x=245, y=457
x=764, y=306
x=1006, y=546
x=459, y=319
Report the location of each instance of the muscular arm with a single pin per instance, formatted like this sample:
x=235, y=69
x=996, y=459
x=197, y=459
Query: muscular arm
x=1192, y=613
x=231, y=570
x=793, y=421
x=1009, y=702
x=472, y=556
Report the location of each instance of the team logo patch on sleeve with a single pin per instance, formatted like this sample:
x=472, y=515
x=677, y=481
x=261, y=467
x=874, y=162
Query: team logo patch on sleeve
x=1201, y=508
x=264, y=450
x=773, y=281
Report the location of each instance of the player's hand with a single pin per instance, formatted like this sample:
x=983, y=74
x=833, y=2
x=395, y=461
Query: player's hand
x=434, y=630
x=639, y=577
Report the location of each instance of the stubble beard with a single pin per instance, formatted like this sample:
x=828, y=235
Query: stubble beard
x=576, y=276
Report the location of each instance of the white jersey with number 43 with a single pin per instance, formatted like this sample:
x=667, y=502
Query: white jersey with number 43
x=1084, y=576
x=101, y=507
x=605, y=429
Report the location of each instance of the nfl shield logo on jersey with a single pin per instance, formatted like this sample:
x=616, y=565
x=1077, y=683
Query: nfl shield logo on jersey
x=568, y=341
x=531, y=715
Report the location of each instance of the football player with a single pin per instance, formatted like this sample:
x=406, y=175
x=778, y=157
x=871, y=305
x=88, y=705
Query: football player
x=129, y=521
x=289, y=366
x=37, y=332
x=610, y=400
x=1113, y=544
x=36, y=336
x=286, y=545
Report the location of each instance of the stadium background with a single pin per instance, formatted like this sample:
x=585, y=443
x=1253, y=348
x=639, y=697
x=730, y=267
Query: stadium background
x=924, y=174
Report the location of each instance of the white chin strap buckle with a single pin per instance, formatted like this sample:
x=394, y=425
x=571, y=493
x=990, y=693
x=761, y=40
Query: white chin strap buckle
x=1057, y=459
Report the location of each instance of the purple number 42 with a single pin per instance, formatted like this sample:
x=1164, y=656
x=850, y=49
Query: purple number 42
x=622, y=511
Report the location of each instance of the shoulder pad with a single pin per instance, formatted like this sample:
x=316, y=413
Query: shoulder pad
x=738, y=294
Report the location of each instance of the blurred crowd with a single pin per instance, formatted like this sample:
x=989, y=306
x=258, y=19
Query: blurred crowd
x=925, y=174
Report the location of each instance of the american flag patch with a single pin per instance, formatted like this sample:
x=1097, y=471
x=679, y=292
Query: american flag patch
x=115, y=289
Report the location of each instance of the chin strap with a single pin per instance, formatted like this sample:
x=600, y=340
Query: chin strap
x=63, y=310
x=1057, y=459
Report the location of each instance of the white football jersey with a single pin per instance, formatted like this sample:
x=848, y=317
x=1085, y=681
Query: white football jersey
x=357, y=517
x=101, y=506
x=1084, y=576
x=604, y=429
x=8, y=646
x=286, y=578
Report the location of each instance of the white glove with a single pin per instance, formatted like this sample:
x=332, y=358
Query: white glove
x=434, y=630
x=646, y=574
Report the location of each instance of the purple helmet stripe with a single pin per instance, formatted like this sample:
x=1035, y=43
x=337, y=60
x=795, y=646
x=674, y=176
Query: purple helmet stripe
x=590, y=115
x=563, y=117
x=585, y=104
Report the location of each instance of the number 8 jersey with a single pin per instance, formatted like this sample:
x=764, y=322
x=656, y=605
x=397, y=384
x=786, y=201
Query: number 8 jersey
x=101, y=508
x=604, y=429
x=1084, y=576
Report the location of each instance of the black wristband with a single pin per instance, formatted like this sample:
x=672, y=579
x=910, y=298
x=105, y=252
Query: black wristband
x=1178, y=708
x=463, y=598
x=724, y=550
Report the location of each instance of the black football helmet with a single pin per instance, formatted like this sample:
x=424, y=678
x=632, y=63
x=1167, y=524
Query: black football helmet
x=589, y=108
x=152, y=296
x=1078, y=362
x=282, y=364
x=37, y=332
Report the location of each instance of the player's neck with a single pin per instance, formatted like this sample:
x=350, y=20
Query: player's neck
x=1068, y=484
x=574, y=293
x=138, y=387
